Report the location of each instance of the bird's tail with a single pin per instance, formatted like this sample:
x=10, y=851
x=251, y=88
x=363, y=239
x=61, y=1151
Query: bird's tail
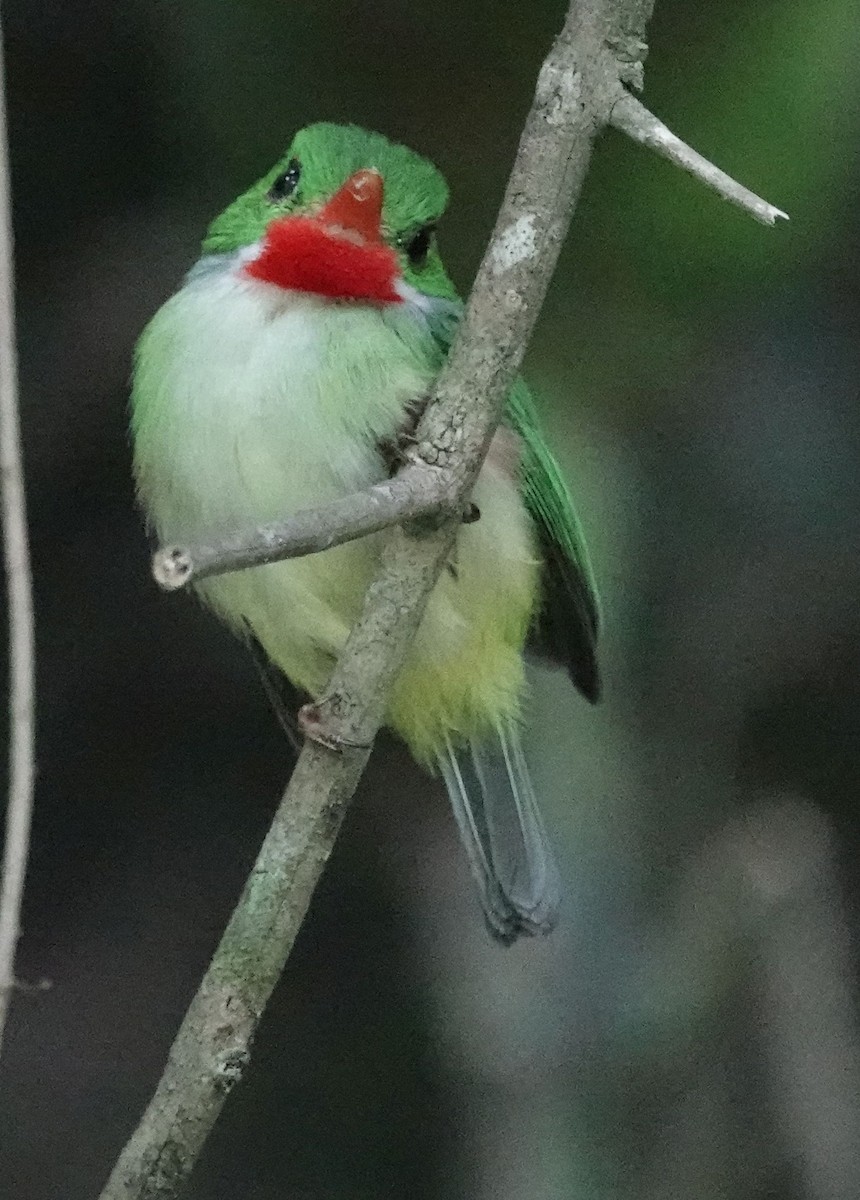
x=503, y=834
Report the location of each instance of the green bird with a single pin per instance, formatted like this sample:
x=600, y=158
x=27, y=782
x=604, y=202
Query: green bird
x=280, y=376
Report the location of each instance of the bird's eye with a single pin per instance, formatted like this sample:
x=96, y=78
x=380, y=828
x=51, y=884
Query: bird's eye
x=286, y=183
x=418, y=245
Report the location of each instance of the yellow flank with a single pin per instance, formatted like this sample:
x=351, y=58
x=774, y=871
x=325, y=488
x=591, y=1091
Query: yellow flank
x=465, y=671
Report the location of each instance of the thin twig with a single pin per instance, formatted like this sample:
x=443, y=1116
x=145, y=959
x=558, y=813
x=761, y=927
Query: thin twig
x=418, y=491
x=19, y=592
x=632, y=117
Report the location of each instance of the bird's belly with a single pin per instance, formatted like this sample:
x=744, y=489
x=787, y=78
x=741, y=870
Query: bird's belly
x=243, y=427
x=464, y=670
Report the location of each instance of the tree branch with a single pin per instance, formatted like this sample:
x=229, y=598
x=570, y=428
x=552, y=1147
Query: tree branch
x=19, y=593
x=601, y=45
x=630, y=116
x=419, y=490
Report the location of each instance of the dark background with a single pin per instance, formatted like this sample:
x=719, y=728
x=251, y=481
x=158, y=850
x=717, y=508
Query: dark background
x=690, y=1029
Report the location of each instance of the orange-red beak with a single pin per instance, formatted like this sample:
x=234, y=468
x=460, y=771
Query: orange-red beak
x=338, y=252
x=357, y=208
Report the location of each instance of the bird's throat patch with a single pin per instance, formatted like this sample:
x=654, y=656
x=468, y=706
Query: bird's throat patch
x=305, y=255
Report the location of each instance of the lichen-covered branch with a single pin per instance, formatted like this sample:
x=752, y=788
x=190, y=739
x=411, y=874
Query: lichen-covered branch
x=601, y=43
x=19, y=592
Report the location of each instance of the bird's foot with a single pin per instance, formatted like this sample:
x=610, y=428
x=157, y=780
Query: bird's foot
x=317, y=722
x=401, y=449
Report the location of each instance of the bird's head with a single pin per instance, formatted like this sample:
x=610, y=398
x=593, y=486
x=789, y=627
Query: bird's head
x=345, y=214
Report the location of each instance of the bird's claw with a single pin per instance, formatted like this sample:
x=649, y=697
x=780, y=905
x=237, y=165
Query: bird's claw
x=315, y=724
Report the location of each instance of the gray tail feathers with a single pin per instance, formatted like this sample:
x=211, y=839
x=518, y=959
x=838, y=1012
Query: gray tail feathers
x=503, y=834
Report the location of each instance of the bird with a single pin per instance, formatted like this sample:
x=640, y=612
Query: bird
x=288, y=370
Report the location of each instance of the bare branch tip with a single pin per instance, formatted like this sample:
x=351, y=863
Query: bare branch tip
x=630, y=116
x=172, y=567
x=776, y=214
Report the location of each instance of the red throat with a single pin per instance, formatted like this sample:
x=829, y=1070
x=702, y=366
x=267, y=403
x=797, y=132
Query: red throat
x=339, y=252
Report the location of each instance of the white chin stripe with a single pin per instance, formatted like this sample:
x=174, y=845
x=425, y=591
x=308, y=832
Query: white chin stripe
x=412, y=296
x=220, y=264
x=213, y=264
x=248, y=254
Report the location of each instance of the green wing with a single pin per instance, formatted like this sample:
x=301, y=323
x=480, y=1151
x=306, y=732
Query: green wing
x=568, y=622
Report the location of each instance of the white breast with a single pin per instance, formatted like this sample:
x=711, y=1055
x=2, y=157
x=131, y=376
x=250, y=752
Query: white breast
x=252, y=402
